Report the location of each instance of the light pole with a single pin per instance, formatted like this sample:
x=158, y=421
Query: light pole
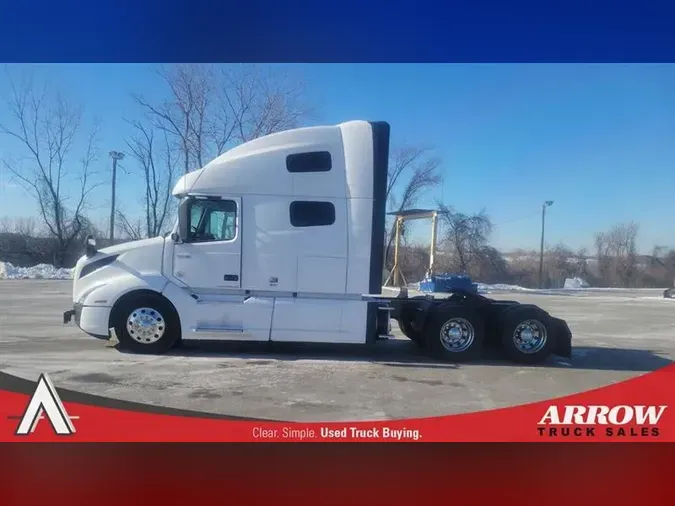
x=546, y=204
x=115, y=155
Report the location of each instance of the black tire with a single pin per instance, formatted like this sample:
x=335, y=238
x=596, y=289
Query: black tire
x=154, y=308
x=669, y=293
x=462, y=320
x=410, y=333
x=538, y=324
x=405, y=324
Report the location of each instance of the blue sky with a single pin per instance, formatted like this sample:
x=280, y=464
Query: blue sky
x=599, y=140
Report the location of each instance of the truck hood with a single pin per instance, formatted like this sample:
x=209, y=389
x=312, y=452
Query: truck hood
x=140, y=259
x=118, y=249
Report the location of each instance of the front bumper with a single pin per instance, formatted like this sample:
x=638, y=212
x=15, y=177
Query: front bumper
x=68, y=315
x=94, y=320
x=76, y=313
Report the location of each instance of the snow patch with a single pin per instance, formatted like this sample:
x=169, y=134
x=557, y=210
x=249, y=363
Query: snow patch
x=40, y=271
x=575, y=284
x=483, y=288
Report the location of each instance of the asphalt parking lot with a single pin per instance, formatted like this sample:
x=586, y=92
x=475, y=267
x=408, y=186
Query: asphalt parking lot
x=617, y=335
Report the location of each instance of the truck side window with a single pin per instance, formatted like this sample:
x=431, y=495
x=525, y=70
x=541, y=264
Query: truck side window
x=213, y=220
x=312, y=214
x=314, y=161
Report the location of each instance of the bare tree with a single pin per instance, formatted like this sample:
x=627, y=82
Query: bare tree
x=490, y=266
x=251, y=102
x=414, y=260
x=26, y=227
x=617, y=255
x=661, y=269
x=131, y=230
x=415, y=171
x=183, y=114
x=582, y=270
x=208, y=109
x=47, y=127
x=157, y=161
x=560, y=263
x=466, y=237
x=412, y=172
x=6, y=225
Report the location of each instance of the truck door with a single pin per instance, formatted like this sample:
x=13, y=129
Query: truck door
x=210, y=259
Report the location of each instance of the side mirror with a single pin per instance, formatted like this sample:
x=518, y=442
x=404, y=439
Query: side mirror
x=184, y=220
x=90, y=247
x=175, y=237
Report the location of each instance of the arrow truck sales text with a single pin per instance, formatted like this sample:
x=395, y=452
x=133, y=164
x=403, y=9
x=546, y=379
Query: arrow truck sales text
x=595, y=420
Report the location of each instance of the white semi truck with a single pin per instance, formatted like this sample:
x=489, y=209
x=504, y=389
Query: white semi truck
x=281, y=240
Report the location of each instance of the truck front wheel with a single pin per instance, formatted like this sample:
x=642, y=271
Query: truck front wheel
x=146, y=323
x=455, y=334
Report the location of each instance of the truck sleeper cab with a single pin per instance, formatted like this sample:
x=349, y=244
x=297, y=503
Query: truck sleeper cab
x=281, y=239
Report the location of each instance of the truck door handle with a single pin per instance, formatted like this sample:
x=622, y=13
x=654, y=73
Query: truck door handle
x=184, y=255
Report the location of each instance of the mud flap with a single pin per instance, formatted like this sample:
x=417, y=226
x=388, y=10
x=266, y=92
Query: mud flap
x=563, y=345
x=113, y=340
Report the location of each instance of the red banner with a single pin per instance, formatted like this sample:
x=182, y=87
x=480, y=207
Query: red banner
x=638, y=409
x=345, y=474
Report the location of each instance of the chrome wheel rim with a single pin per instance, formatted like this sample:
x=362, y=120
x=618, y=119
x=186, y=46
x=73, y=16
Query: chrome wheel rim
x=146, y=325
x=457, y=335
x=530, y=336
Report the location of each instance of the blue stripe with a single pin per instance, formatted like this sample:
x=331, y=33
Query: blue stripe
x=348, y=31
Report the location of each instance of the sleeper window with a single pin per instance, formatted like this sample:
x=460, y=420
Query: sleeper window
x=312, y=214
x=315, y=161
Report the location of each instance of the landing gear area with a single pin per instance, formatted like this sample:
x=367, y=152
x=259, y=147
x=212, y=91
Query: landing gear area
x=461, y=327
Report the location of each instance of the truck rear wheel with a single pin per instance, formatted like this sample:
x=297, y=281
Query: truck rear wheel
x=410, y=333
x=146, y=323
x=455, y=334
x=669, y=293
x=527, y=335
x=405, y=324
